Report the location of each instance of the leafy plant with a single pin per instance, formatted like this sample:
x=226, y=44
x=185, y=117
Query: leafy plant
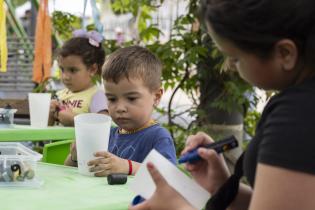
x=64, y=23
x=18, y=2
x=44, y=87
x=190, y=63
x=251, y=121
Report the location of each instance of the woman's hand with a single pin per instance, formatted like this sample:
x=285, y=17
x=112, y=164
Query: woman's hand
x=210, y=172
x=164, y=197
x=108, y=163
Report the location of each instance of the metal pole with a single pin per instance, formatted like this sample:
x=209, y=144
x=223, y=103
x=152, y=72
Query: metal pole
x=33, y=18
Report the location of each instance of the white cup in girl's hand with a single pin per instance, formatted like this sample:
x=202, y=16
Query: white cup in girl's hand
x=92, y=135
x=39, y=104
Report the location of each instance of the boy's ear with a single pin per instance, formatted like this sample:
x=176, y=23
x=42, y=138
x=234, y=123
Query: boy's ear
x=158, y=95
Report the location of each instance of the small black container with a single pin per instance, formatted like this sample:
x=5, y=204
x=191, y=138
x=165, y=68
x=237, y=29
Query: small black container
x=113, y=179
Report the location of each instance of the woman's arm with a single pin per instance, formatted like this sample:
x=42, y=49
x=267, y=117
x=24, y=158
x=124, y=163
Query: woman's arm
x=282, y=189
x=242, y=199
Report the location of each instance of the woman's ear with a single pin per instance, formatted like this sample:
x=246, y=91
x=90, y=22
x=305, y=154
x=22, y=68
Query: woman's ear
x=287, y=54
x=157, y=96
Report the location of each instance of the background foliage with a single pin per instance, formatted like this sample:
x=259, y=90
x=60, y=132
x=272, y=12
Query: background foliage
x=184, y=55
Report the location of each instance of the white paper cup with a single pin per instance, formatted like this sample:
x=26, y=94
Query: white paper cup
x=92, y=135
x=39, y=104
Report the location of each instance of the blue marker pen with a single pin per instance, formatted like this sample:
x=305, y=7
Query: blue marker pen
x=219, y=146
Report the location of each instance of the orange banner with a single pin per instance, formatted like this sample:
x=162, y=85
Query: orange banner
x=43, y=46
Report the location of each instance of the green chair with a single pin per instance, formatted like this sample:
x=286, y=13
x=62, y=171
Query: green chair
x=56, y=152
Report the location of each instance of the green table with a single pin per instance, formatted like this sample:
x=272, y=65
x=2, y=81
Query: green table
x=65, y=189
x=28, y=133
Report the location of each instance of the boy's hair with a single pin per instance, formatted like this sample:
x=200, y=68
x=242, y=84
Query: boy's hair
x=90, y=54
x=133, y=62
x=256, y=26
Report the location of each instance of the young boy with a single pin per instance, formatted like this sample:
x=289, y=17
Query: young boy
x=132, y=78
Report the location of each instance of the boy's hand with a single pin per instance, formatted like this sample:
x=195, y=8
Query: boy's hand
x=108, y=163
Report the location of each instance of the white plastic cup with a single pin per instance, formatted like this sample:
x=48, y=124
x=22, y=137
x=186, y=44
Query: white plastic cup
x=92, y=135
x=39, y=104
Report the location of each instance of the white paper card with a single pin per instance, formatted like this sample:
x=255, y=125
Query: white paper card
x=143, y=184
x=92, y=135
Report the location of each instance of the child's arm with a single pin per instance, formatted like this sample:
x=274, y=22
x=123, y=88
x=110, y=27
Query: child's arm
x=103, y=112
x=71, y=159
x=52, y=111
x=66, y=117
x=70, y=162
x=108, y=163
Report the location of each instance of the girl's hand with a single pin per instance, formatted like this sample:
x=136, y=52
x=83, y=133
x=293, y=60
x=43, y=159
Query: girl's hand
x=210, y=172
x=108, y=163
x=53, y=106
x=164, y=197
x=66, y=116
x=53, y=109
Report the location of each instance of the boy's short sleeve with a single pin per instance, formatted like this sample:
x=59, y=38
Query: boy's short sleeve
x=165, y=145
x=98, y=102
x=137, y=146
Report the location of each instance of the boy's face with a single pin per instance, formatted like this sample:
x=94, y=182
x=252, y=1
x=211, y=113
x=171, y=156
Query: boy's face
x=130, y=102
x=74, y=74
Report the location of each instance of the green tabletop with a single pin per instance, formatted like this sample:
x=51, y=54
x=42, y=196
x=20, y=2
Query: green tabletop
x=28, y=133
x=65, y=189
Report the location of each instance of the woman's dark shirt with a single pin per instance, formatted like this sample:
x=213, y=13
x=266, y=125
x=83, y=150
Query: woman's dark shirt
x=285, y=135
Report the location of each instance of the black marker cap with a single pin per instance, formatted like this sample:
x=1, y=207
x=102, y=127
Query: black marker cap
x=113, y=179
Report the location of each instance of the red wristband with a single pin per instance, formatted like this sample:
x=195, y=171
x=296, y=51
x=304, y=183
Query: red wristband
x=130, y=167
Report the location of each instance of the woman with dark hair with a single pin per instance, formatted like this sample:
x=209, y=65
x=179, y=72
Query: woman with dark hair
x=272, y=45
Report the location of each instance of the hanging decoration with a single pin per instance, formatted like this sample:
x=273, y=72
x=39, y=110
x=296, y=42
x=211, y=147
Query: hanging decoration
x=96, y=17
x=83, y=15
x=43, y=46
x=3, y=38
